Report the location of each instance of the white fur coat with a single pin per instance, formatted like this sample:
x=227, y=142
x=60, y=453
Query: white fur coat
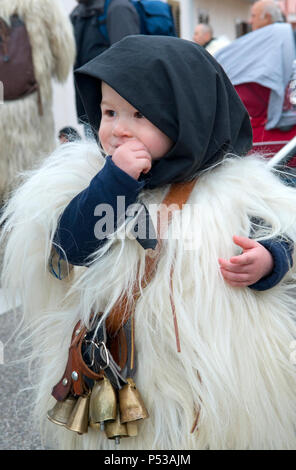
x=234, y=364
x=26, y=136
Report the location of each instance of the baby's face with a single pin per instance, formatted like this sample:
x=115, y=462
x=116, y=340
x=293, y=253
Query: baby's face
x=121, y=122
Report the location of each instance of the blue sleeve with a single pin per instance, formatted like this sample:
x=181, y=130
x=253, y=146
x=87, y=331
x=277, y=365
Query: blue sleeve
x=76, y=229
x=282, y=252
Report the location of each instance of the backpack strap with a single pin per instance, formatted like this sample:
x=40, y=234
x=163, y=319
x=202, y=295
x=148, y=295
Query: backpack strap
x=102, y=20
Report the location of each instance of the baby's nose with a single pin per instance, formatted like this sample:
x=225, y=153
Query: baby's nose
x=122, y=128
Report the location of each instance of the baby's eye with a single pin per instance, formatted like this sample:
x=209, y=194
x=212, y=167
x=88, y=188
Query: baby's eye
x=138, y=115
x=109, y=112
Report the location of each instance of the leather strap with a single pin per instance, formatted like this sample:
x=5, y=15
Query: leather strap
x=176, y=197
x=75, y=364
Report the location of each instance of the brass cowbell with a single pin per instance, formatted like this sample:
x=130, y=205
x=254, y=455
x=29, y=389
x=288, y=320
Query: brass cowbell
x=103, y=403
x=61, y=411
x=115, y=429
x=131, y=405
x=132, y=428
x=78, y=421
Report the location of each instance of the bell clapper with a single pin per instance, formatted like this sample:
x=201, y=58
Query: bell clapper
x=117, y=441
x=102, y=426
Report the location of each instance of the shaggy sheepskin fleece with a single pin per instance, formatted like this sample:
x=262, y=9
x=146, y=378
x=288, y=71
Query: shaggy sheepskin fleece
x=234, y=365
x=25, y=136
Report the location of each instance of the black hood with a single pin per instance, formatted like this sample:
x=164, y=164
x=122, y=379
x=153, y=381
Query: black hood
x=182, y=90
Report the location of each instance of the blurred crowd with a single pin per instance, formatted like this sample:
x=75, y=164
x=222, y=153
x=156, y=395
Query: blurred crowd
x=259, y=64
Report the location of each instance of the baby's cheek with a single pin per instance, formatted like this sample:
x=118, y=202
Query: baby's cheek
x=160, y=146
x=103, y=137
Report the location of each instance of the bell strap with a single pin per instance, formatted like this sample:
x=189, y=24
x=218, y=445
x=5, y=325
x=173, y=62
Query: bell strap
x=123, y=350
x=76, y=368
x=96, y=352
x=176, y=197
x=72, y=378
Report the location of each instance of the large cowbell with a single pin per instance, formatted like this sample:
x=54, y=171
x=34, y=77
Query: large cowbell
x=131, y=404
x=61, y=411
x=71, y=413
x=103, y=403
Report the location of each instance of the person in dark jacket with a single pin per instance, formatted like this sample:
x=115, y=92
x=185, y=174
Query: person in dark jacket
x=122, y=20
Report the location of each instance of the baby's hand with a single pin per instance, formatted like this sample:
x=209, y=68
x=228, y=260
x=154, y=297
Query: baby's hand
x=133, y=158
x=254, y=263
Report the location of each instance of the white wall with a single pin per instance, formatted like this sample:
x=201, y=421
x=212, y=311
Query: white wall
x=223, y=14
x=63, y=95
x=187, y=18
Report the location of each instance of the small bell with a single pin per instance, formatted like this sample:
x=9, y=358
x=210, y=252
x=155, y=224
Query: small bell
x=115, y=429
x=78, y=421
x=131, y=404
x=97, y=426
x=61, y=411
x=103, y=403
x=132, y=428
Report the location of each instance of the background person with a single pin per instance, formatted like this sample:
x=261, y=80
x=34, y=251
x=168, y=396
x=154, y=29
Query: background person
x=264, y=13
x=68, y=134
x=259, y=65
x=27, y=126
x=203, y=35
x=121, y=20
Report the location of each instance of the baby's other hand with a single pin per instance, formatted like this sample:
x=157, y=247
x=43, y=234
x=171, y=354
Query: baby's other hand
x=133, y=158
x=254, y=263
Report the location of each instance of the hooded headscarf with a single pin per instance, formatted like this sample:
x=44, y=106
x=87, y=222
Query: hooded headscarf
x=182, y=90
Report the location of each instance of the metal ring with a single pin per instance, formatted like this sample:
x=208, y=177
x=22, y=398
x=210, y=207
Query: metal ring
x=97, y=345
x=90, y=341
x=107, y=355
x=92, y=351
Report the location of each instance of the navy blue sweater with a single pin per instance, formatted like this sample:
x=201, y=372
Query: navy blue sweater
x=76, y=229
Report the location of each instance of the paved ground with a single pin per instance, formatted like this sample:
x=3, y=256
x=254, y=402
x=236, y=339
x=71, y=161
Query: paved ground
x=16, y=431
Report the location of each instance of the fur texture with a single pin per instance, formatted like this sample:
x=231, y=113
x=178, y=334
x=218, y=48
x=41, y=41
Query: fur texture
x=234, y=363
x=26, y=137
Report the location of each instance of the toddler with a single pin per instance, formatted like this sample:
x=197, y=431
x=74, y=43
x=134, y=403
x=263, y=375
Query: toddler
x=208, y=323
